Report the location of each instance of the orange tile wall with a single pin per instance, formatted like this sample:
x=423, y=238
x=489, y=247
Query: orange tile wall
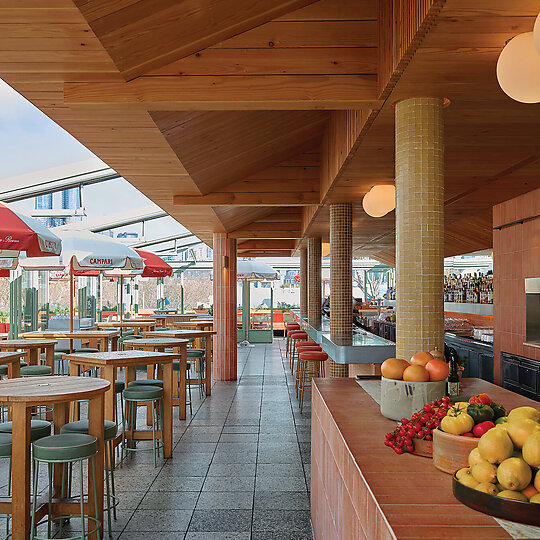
x=516, y=256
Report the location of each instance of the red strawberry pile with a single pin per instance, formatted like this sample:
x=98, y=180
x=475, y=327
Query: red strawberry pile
x=420, y=426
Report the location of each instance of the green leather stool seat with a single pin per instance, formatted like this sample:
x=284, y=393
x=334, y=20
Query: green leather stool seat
x=81, y=426
x=23, y=364
x=146, y=382
x=57, y=355
x=5, y=445
x=35, y=371
x=65, y=447
x=38, y=429
x=195, y=353
x=119, y=386
x=161, y=328
x=63, y=350
x=143, y=393
x=3, y=370
x=86, y=350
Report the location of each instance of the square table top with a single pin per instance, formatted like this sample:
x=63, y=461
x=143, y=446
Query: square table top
x=27, y=343
x=10, y=356
x=180, y=333
x=163, y=342
x=66, y=334
x=122, y=358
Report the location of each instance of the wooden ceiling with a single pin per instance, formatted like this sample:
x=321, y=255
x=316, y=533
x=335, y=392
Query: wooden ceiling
x=250, y=117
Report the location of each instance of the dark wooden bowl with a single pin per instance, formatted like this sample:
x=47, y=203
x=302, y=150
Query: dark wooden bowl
x=519, y=511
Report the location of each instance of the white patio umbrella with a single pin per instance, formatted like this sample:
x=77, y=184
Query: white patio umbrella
x=255, y=271
x=83, y=250
x=247, y=271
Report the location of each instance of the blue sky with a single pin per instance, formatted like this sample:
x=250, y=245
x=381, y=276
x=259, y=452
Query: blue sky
x=29, y=140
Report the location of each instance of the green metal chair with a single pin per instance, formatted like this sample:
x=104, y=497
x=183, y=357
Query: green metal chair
x=133, y=396
x=111, y=429
x=66, y=448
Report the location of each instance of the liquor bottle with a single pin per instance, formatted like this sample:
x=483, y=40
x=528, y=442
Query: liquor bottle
x=453, y=376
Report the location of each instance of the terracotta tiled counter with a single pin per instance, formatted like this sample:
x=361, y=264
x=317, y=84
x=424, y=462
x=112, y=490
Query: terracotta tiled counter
x=360, y=489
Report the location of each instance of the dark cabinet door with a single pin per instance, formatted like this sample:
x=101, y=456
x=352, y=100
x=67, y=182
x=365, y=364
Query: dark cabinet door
x=485, y=363
x=510, y=369
x=528, y=378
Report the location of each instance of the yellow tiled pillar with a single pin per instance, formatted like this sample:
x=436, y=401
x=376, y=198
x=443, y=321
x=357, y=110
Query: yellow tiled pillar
x=419, y=226
x=340, y=281
x=314, y=256
x=303, y=283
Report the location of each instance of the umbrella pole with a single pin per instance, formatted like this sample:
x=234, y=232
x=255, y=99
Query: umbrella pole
x=71, y=294
x=121, y=282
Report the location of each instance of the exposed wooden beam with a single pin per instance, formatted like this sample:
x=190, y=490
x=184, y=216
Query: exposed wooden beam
x=249, y=233
x=140, y=36
x=274, y=92
x=249, y=199
x=266, y=254
x=267, y=244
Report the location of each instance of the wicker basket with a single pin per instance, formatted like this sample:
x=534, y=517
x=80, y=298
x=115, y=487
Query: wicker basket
x=451, y=452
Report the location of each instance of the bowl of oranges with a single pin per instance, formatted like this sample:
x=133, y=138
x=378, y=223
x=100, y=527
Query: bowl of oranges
x=406, y=386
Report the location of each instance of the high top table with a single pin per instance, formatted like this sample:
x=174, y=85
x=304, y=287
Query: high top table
x=137, y=324
x=178, y=346
x=109, y=362
x=197, y=335
x=13, y=362
x=193, y=325
x=23, y=394
x=32, y=347
x=107, y=337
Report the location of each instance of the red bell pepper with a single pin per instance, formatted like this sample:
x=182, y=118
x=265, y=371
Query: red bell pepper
x=484, y=399
x=482, y=428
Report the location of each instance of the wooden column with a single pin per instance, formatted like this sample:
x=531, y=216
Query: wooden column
x=419, y=226
x=303, y=283
x=314, y=281
x=224, y=307
x=340, y=280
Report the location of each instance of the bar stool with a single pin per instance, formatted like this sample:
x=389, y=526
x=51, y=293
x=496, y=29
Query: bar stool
x=311, y=365
x=110, y=431
x=133, y=396
x=176, y=367
x=296, y=335
x=291, y=327
x=301, y=347
x=65, y=449
x=35, y=371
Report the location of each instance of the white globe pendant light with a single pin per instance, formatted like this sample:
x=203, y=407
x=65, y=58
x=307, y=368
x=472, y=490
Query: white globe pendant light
x=536, y=33
x=379, y=200
x=518, y=69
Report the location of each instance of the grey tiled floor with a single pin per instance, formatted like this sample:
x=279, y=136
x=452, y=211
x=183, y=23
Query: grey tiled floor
x=240, y=468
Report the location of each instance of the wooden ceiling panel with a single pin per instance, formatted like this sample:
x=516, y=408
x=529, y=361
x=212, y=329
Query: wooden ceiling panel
x=140, y=36
x=220, y=148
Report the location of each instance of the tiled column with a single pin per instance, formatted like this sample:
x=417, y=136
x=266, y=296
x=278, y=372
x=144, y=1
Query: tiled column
x=314, y=281
x=419, y=226
x=340, y=280
x=303, y=283
x=224, y=308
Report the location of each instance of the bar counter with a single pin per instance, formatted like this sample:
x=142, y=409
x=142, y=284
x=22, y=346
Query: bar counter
x=360, y=489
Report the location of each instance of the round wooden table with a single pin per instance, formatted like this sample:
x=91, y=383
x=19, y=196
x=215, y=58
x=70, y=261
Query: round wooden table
x=13, y=362
x=33, y=348
x=23, y=394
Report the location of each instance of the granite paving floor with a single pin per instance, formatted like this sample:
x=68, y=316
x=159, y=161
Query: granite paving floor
x=240, y=468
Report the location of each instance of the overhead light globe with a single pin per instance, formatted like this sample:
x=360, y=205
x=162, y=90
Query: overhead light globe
x=518, y=69
x=370, y=206
x=384, y=197
x=536, y=33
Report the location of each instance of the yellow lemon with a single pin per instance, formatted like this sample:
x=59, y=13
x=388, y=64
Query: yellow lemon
x=514, y=473
x=524, y=412
x=487, y=487
x=474, y=457
x=520, y=429
x=515, y=495
x=495, y=446
x=466, y=471
x=484, y=472
x=531, y=450
x=535, y=498
x=468, y=480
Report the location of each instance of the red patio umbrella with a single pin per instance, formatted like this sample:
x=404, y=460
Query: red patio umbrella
x=22, y=233
x=154, y=266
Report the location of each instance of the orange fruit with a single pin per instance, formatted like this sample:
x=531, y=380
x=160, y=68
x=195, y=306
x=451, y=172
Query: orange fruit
x=438, y=370
x=393, y=368
x=529, y=491
x=421, y=358
x=416, y=373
